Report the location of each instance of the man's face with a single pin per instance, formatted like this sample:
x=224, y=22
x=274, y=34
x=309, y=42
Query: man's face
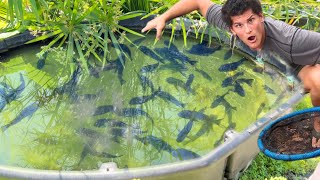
x=249, y=27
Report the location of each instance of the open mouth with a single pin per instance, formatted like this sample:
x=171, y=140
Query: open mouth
x=252, y=38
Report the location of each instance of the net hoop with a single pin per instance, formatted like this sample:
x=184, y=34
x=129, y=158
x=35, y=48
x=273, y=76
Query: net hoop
x=287, y=157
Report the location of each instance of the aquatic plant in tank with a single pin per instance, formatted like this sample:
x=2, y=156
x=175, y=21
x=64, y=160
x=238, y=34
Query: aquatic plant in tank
x=155, y=104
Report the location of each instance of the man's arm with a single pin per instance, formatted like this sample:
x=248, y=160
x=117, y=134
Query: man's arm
x=181, y=8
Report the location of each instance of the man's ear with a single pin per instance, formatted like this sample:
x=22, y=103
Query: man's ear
x=261, y=17
x=234, y=33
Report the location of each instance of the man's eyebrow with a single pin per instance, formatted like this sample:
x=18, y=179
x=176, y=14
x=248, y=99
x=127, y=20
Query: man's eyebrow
x=251, y=16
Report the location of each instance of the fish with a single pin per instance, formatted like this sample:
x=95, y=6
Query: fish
x=149, y=68
x=231, y=66
x=103, y=110
x=176, y=82
x=42, y=60
x=185, y=131
x=174, y=55
x=229, y=81
x=269, y=90
x=239, y=89
x=193, y=115
x=184, y=154
x=111, y=122
x=3, y=103
x=69, y=87
x=93, y=71
x=133, y=112
x=145, y=82
x=157, y=143
x=118, y=128
x=228, y=54
x=220, y=100
x=41, y=63
x=151, y=54
x=204, y=74
x=122, y=48
x=88, y=149
x=143, y=99
x=261, y=107
x=137, y=42
x=188, y=83
x=175, y=67
x=117, y=66
x=202, y=49
x=27, y=111
x=166, y=96
x=247, y=81
x=11, y=94
x=171, y=46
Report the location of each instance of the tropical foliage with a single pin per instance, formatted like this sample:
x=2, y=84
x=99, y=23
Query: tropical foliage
x=87, y=27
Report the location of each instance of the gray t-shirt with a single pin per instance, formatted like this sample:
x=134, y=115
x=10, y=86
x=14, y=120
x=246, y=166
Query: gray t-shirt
x=284, y=44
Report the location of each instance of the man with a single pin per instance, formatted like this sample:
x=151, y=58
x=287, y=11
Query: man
x=299, y=48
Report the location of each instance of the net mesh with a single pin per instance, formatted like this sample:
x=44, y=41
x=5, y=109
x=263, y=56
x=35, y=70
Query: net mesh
x=292, y=135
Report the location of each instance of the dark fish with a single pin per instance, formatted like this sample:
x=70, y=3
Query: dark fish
x=228, y=54
x=93, y=71
x=118, y=67
x=219, y=100
x=189, y=82
x=157, y=143
x=137, y=42
x=261, y=107
x=150, y=53
x=185, y=131
x=143, y=99
x=239, y=89
x=88, y=149
x=40, y=63
x=231, y=66
x=184, y=154
x=269, y=90
x=176, y=82
x=70, y=87
x=149, y=68
x=133, y=112
x=28, y=111
x=247, y=81
x=173, y=55
x=203, y=49
x=229, y=81
x=175, y=67
x=145, y=81
x=89, y=133
x=204, y=74
x=3, y=103
x=123, y=48
x=171, y=46
x=193, y=115
x=205, y=128
x=110, y=122
x=103, y=109
x=118, y=129
x=166, y=96
x=111, y=65
x=12, y=94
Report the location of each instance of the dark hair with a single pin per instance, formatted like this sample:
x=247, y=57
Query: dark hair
x=238, y=7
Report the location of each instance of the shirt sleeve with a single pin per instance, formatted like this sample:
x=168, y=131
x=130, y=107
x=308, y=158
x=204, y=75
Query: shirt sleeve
x=306, y=47
x=214, y=17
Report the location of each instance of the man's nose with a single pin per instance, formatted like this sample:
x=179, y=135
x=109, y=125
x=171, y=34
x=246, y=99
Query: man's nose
x=247, y=28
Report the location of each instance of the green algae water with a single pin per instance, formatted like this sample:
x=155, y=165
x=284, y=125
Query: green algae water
x=155, y=104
